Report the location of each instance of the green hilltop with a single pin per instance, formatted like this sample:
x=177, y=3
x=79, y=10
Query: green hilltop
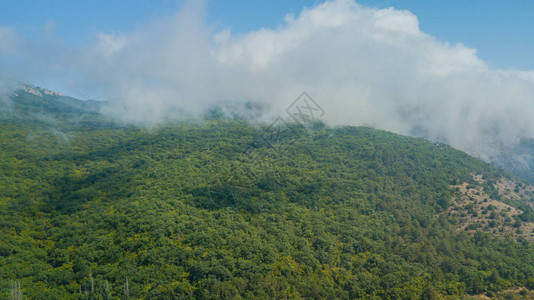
x=227, y=209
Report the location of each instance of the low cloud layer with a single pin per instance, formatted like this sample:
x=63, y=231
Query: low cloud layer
x=364, y=66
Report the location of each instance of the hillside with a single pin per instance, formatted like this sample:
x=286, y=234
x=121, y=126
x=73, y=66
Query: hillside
x=221, y=208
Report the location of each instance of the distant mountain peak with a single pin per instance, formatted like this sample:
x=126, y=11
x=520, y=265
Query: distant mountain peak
x=38, y=91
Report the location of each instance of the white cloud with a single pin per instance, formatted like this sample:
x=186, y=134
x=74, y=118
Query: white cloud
x=364, y=66
x=110, y=44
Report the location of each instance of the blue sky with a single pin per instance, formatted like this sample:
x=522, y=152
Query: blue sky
x=501, y=31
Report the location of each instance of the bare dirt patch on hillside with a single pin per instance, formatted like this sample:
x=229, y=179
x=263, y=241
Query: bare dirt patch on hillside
x=474, y=210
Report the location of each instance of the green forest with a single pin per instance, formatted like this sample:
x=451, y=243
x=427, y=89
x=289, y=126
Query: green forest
x=224, y=208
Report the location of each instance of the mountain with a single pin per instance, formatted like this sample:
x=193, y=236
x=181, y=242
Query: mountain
x=33, y=99
x=228, y=208
x=43, y=107
x=519, y=159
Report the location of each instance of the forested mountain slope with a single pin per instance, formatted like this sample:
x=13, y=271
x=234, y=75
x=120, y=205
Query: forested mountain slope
x=223, y=209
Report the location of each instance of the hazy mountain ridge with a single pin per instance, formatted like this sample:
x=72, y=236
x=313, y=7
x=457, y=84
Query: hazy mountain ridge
x=40, y=103
x=41, y=100
x=38, y=91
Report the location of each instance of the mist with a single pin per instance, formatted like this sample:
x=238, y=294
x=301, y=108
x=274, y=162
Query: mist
x=363, y=66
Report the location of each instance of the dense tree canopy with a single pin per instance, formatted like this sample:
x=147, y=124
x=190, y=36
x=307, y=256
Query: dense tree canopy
x=212, y=209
